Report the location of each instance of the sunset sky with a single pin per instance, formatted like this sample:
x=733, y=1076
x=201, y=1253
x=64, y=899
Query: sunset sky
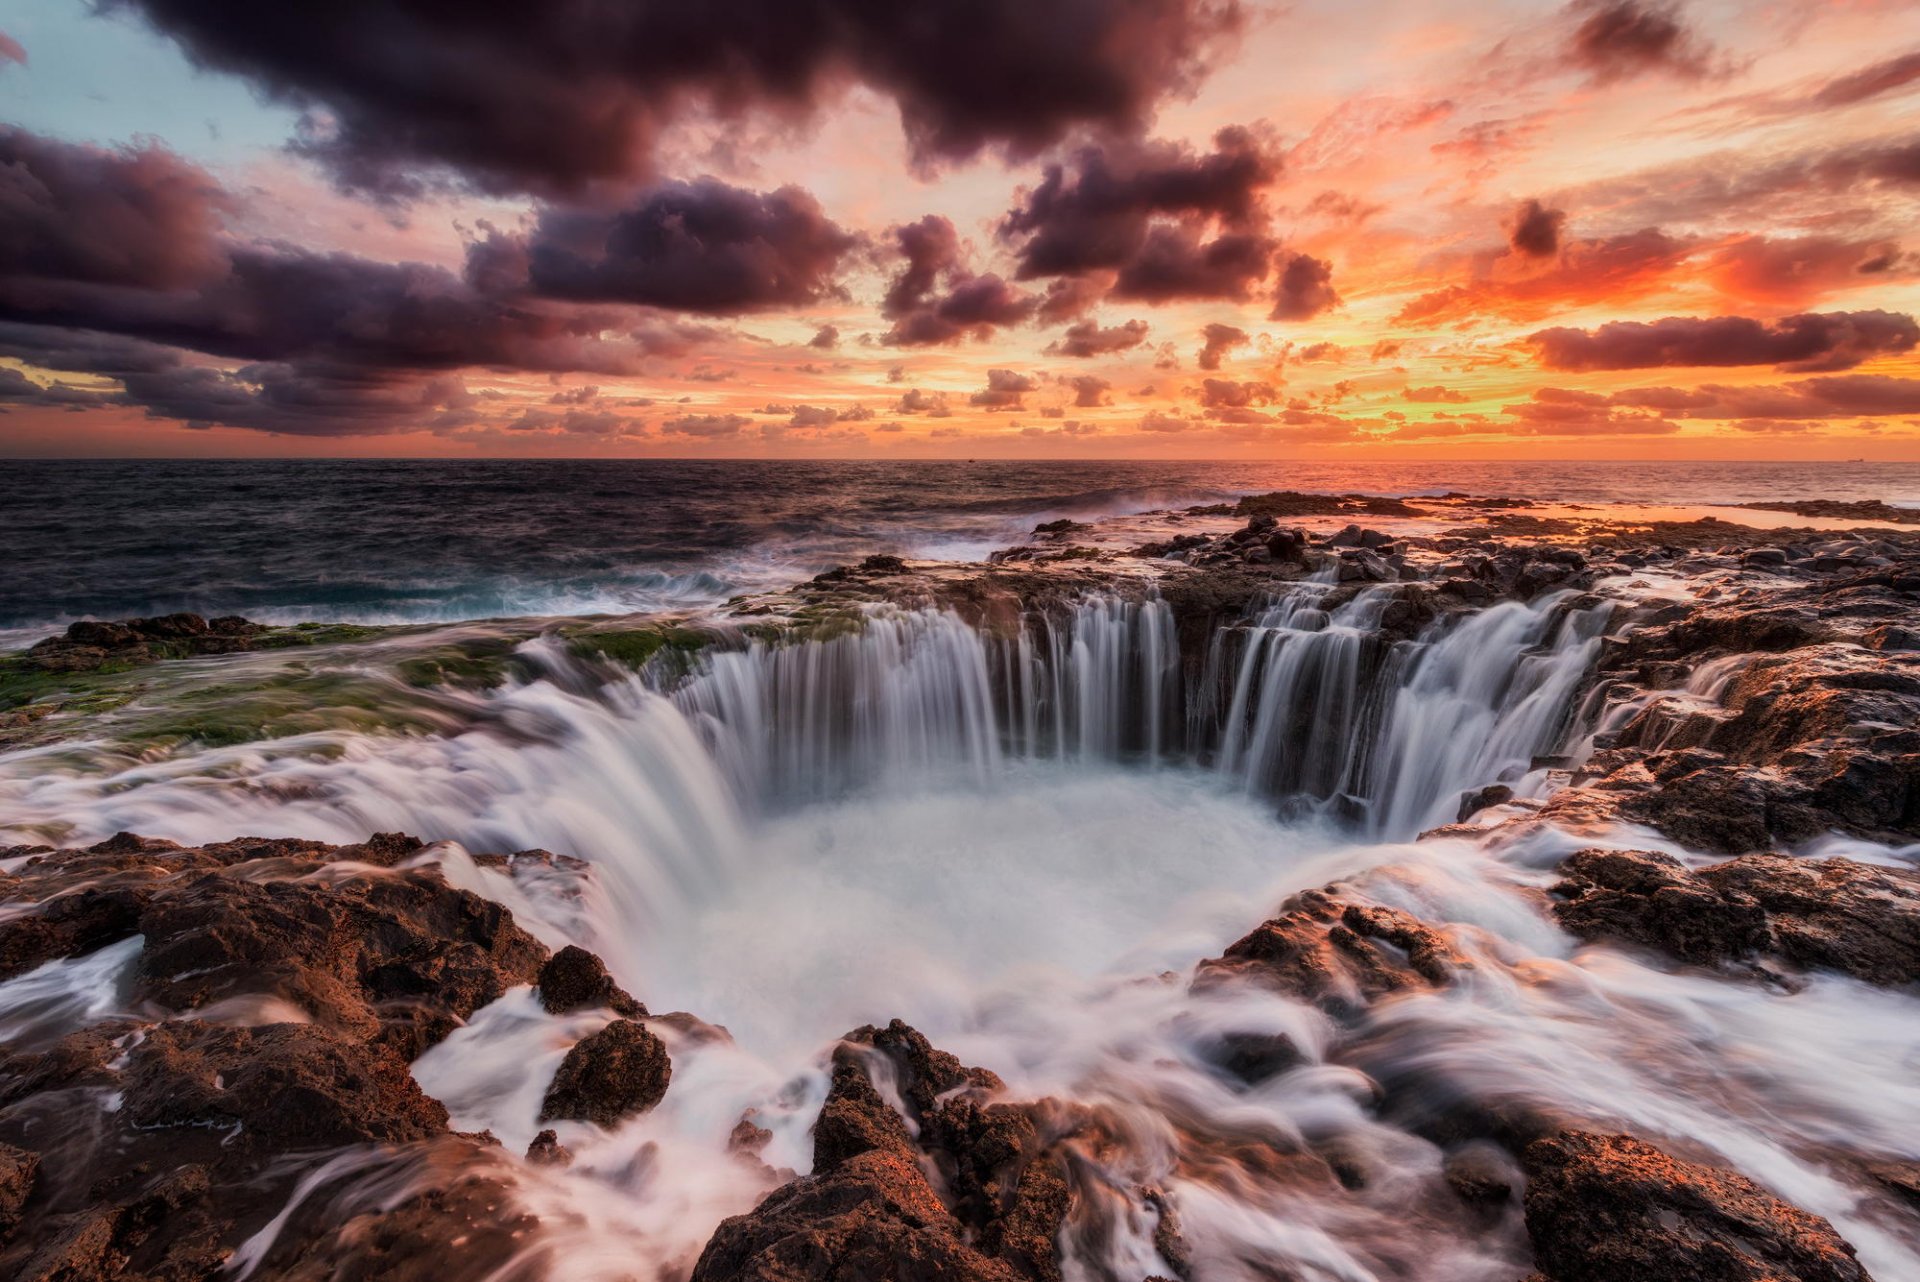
x=996, y=228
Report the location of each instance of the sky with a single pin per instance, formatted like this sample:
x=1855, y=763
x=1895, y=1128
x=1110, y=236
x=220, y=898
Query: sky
x=1443, y=229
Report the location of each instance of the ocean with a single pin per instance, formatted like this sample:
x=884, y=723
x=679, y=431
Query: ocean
x=405, y=541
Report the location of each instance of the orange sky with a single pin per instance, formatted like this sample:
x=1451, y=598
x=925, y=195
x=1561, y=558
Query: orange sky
x=1749, y=170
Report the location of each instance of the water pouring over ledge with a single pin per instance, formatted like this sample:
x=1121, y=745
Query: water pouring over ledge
x=759, y=830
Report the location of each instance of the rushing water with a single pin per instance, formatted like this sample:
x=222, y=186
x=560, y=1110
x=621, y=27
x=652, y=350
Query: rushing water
x=1021, y=841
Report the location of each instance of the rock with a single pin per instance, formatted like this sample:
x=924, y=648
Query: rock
x=18, y=1168
x=1764, y=558
x=547, y=1150
x=574, y=979
x=92, y=644
x=1651, y=899
x=1337, y=954
x=1607, y=1208
x=1483, y=1175
x=1472, y=803
x=869, y=1209
x=1253, y=1058
x=619, y=1072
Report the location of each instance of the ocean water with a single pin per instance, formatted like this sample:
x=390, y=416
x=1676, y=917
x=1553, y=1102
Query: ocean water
x=383, y=541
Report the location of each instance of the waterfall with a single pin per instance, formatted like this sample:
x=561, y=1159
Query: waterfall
x=1308, y=700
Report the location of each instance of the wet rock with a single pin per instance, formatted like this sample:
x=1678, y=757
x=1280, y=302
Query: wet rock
x=68, y=926
x=1338, y=954
x=93, y=644
x=574, y=979
x=1494, y=794
x=619, y=1072
x=547, y=1150
x=1605, y=1208
x=1253, y=1058
x=1483, y=1175
x=869, y=1210
x=18, y=1168
x=1651, y=899
x=276, y=1088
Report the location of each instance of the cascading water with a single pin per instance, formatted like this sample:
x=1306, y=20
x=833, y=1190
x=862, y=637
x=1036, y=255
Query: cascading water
x=920, y=818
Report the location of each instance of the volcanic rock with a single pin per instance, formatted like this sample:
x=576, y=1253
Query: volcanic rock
x=1606, y=1208
x=1828, y=914
x=869, y=1209
x=619, y=1072
x=1338, y=954
x=574, y=979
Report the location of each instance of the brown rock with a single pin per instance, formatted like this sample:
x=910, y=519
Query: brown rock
x=574, y=979
x=1605, y=1208
x=616, y=1073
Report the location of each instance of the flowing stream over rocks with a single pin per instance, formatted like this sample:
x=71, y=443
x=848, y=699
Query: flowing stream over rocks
x=1033, y=839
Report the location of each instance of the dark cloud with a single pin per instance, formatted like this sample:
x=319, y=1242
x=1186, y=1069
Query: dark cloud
x=1869, y=82
x=1435, y=394
x=936, y=299
x=1177, y=263
x=1090, y=392
x=709, y=426
x=826, y=338
x=552, y=98
x=1220, y=339
x=109, y=258
x=136, y=217
x=1097, y=211
x=1088, y=339
x=1535, y=230
x=1555, y=411
x=700, y=247
x=1005, y=390
x=915, y=401
x=1839, y=396
x=1622, y=39
x=1069, y=297
x=1226, y=393
x=1306, y=288
x=1809, y=343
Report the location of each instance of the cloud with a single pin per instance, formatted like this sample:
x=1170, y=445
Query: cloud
x=1807, y=343
x=1555, y=411
x=915, y=401
x=702, y=247
x=1088, y=339
x=1873, y=81
x=1005, y=390
x=553, y=99
x=1622, y=39
x=1226, y=393
x=1220, y=339
x=1090, y=392
x=1798, y=268
x=1535, y=230
x=707, y=426
x=1609, y=269
x=1435, y=395
x=12, y=50
x=826, y=338
x=923, y=315
x=1838, y=396
x=138, y=217
x=1177, y=263
x=1306, y=289
x=1097, y=211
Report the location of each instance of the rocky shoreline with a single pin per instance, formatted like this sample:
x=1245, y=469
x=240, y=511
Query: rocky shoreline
x=247, y=1104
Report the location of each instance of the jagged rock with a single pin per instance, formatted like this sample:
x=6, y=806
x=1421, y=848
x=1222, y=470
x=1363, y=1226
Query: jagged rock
x=1830, y=914
x=1606, y=1208
x=619, y=1072
x=1338, y=954
x=547, y=1150
x=1494, y=794
x=18, y=1167
x=574, y=979
x=869, y=1210
x=92, y=644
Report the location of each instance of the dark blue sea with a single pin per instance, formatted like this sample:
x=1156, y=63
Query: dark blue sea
x=385, y=541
